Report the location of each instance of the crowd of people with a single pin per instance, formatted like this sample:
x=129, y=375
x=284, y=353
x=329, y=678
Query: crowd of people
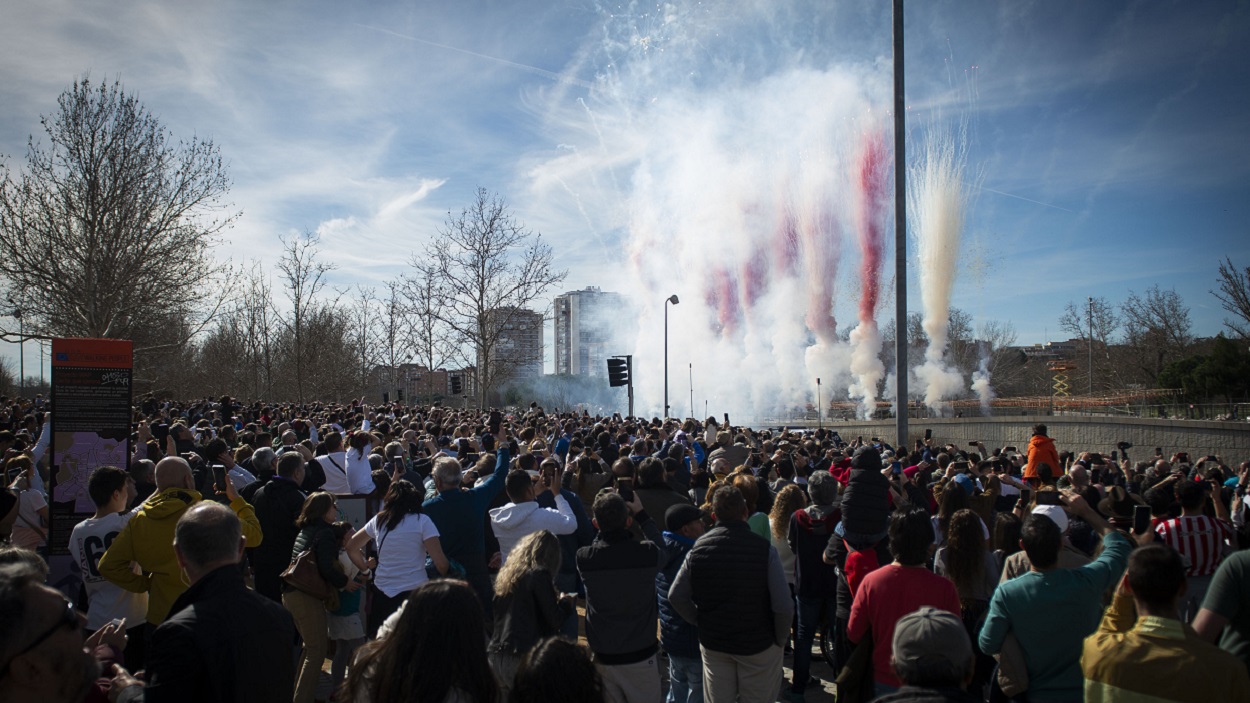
x=692, y=558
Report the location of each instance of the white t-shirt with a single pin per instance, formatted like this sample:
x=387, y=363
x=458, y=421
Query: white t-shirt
x=359, y=471
x=87, y=543
x=29, y=503
x=401, y=553
x=334, y=466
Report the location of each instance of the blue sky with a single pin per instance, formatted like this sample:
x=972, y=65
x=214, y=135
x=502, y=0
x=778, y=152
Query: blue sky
x=1108, y=137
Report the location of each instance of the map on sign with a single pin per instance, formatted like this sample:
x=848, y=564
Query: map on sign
x=76, y=454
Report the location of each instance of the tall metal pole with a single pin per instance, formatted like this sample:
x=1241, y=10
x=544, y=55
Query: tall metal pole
x=629, y=371
x=900, y=233
x=1091, y=347
x=670, y=299
x=691, y=389
x=820, y=409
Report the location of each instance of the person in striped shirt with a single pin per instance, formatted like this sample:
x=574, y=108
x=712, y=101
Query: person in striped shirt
x=1201, y=540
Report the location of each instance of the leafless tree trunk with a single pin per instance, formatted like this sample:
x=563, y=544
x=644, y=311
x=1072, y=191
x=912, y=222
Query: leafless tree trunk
x=112, y=221
x=1157, y=329
x=1107, y=323
x=304, y=277
x=492, y=268
x=1234, y=297
x=434, y=343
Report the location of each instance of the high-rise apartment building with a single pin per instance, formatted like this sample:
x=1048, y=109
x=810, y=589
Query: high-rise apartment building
x=585, y=323
x=517, y=351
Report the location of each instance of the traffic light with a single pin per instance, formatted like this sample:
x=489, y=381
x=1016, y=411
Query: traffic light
x=457, y=385
x=618, y=371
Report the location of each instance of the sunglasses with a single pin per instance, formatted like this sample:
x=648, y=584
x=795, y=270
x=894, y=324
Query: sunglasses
x=68, y=620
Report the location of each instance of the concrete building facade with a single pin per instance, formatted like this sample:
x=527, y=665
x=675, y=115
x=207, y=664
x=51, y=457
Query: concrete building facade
x=584, y=331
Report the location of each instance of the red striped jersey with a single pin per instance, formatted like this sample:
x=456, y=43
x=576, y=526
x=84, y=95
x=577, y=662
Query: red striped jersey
x=1200, y=539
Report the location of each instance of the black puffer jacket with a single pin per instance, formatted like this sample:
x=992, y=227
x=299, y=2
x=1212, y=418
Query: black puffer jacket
x=277, y=504
x=866, y=500
x=621, y=610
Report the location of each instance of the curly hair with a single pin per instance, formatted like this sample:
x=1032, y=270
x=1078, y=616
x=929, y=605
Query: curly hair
x=537, y=551
x=965, y=552
x=790, y=500
x=952, y=500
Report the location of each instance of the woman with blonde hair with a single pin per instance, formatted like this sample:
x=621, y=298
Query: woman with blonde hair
x=527, y=607
x=789, y=501
x=750, y=490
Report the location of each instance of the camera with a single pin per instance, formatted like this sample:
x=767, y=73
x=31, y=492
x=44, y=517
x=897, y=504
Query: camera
x=1125, y=446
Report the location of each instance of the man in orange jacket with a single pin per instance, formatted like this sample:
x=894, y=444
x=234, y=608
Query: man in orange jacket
x=1042, y=451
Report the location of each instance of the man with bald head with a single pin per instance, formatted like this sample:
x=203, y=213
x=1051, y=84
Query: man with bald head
x=221, y=642
x=141, y=558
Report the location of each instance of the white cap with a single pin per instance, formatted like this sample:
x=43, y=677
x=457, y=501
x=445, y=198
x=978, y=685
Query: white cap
x=1056, y=515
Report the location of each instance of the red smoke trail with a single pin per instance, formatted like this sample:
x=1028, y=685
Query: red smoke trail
x=754, y=279
x=821, y=239
x=721, y=293
x=872, y=194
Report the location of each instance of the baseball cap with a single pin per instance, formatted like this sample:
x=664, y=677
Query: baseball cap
x=965, y=482
x=1055, y=513
x=930, y=635
x=680, y=515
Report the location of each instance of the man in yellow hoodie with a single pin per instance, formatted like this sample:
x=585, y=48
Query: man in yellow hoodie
x=148, y=539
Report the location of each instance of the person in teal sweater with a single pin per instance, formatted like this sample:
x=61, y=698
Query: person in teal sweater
x=1051, y=610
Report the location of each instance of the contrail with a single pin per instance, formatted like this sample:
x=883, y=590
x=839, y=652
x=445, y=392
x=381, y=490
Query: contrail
x=530, y=69
x=1028, y=200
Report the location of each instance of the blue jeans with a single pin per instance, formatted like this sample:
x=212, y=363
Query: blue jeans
x=685, y=679
x=810, y=619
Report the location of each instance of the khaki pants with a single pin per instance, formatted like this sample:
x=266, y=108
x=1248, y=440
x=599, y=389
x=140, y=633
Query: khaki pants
x=737, y=677
x=310, y=620
x=632, y=683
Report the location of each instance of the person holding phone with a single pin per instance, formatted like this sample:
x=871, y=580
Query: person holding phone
x=522, y=515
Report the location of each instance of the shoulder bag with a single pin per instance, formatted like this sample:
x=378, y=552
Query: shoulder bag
x=303, y=575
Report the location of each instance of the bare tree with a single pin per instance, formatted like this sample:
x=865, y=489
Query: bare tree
x=112, y=222
x=434, y=342
x=1157, y=330
x=257, y=320
x=1106, y=324
x=304, y=277
x=493, y=270
x=1234, y=297
x=363, y=332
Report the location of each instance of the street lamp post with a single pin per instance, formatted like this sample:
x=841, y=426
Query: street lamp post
x=1091, y=347
x=671, y=299
x=820, y=410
